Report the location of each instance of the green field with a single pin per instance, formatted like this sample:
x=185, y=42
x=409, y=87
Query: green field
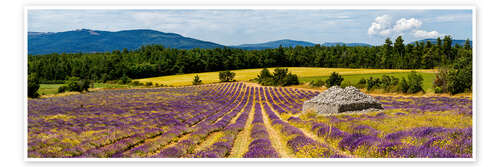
x=47, y=89
x=305, y=74
x=354, y=78
x=302, y=73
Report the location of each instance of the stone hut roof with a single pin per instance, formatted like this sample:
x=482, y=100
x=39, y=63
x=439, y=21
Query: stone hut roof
x=337, y=100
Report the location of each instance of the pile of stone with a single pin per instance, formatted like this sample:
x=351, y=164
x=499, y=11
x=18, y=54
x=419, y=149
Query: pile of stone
x=338, y=100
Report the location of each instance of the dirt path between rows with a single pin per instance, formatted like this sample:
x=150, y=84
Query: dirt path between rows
x=243, y=139
x=275, y=138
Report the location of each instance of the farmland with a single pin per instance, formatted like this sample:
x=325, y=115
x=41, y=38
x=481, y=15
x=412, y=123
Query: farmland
x=240, y=120
x=304, y=73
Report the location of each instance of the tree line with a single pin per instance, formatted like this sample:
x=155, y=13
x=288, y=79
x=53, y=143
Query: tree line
x=156, y=60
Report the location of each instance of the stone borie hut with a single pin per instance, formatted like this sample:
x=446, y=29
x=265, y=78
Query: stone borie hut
x=338, y=100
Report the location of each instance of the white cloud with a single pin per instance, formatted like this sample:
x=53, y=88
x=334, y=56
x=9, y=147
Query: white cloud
x=425, y=34
x=382, y=23
x=385, y=32
x=382, y=26
x=407, y=24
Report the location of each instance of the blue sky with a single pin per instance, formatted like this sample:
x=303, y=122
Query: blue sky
x=233, y=27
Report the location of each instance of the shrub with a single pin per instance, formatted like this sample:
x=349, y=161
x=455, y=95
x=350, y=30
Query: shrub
x=291, y=79
x=415, y=82
x=403, y=86
x=440, y=83
x=265, y=77
x=136, y=83
x=226, y=76
x=394, y=81
x=264, y=74
x=149, y=83
x=388, y=83
x=438, y=90
x=280, y=77
x=72, y=84
x=75, y=84
x=334, y=80
x=33, y=86
x=62, y=89
x=125, y=79
x=196, y=80
x=84, y=85
x=361, y=83
x=456, y=78
x=372, y=83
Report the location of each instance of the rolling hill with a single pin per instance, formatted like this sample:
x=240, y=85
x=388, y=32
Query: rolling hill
x=274, y=44
x=91, y=41
x=346, y=44
x=88, y=41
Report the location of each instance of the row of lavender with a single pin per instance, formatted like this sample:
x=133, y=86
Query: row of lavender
x=172, y=122
x=187, y=145
x=106, y=123
x=414, y=142
x=302, y=145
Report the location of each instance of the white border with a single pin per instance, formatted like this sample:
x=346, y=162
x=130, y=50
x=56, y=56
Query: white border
x=264, y=7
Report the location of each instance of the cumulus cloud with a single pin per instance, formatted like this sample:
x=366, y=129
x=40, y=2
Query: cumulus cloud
x=383, y=26
x=407, y=24
x=425, y=34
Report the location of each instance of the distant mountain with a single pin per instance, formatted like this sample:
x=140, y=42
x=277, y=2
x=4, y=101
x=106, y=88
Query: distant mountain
x=274, y=44
x=346, y=44
x=86, y=41
x=453, y=42
x=38, y=33
x=90, y=41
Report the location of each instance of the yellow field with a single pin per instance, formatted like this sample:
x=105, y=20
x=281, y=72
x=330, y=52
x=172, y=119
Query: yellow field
x=247, y=74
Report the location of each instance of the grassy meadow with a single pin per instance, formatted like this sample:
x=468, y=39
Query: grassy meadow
x=304, y=74
x=354, y=78
x=49, y=89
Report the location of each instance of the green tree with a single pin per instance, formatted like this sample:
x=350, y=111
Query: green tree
x=125, y=79
x=291, y=79
x=196, y=80
x=460, y=75
x=279, y=76
x=467, y=44
x=265, y=77
x=75, y=84
x=415, y=82
x=399, y=50
x=387, y=54
x=72, y=84
x=226, y=76
x=334, y=80
x=33, y=86
x=440, y=83
x=447, y=49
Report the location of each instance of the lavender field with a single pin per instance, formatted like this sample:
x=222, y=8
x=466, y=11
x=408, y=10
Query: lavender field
x=238, y=120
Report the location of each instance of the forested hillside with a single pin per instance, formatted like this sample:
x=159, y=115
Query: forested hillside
x=156, y=60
